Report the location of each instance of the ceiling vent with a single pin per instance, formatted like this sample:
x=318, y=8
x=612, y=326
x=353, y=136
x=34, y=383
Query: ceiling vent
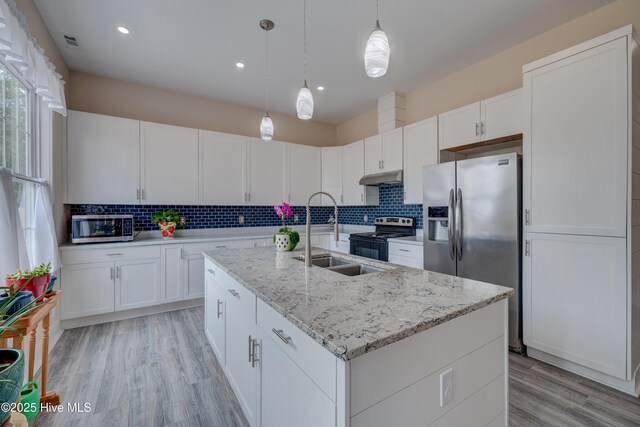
x=72, y=42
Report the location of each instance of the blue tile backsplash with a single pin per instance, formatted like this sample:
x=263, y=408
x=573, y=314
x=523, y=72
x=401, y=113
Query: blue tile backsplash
x=391, y=197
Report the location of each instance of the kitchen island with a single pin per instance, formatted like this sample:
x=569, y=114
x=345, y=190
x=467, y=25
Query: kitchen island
x=394, y=346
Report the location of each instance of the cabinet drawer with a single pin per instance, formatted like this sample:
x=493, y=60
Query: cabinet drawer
x=86, y=255
x=314, y=360
x=198, y=248
x=403, y=250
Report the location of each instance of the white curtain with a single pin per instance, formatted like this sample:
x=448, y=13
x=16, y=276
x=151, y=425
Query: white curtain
x=13, y=250
x=19, y=48
x=44, y=244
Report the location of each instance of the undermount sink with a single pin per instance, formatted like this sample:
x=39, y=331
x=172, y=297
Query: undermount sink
x=340, y=265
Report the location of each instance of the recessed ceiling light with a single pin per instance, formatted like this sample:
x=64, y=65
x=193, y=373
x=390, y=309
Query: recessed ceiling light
x=239, y=65
x=123, y=30
x=320, y=88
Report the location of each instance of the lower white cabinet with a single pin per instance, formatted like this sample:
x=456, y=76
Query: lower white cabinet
x=342, y=245
x=406, y=254
x=171, y=278
x=288, y=396
x=137, y=284
x=215, y=315
x=193, y=278
x=88, y=289
x=575, y=299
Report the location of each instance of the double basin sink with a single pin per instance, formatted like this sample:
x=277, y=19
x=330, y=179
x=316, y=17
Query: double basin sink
x=340, y=265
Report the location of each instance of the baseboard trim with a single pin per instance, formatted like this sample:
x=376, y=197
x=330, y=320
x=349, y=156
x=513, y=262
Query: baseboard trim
x=129, y=314
x=631, y=386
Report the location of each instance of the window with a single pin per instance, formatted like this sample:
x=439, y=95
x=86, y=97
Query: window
x=16, y=143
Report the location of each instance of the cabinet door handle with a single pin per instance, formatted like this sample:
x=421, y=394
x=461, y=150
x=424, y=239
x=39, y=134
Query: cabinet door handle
x=341, y=198
x=250, y=349
x=382, y=163
x=142, y=194
x=219, y=312
x=233, y=292
x=482, y=128
x=362, y=197
x=138, y=194
x=117, y=272
x=254, y=353
x=118, y=254
x=221, y=246
x=477, y=129
x=527, y=248
x=281, y=335
x=212, y=271
x=527, y=216
x=111, y=273
x=404, y=250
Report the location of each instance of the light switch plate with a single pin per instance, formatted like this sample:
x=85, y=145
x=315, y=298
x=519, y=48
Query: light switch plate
x=241, y=219
x=296, y=218
x=366, y=218
x=446, y=387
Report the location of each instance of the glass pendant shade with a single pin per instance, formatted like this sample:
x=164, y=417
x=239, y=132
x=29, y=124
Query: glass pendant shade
x=266, y=128
x=376, y=54
x=304, y=104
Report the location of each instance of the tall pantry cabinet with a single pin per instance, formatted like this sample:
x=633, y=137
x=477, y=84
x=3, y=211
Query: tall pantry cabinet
x=581, y=202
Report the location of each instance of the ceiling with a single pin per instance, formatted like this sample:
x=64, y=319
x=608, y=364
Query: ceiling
x=192, y=46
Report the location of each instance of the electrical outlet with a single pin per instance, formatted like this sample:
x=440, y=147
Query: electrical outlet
x=446, y=387
x=296, y=218
x=241, y=219
x=366, y=218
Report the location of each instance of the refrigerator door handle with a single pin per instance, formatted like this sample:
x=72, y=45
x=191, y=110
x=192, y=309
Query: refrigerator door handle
x=450, y=219
x=458, y=219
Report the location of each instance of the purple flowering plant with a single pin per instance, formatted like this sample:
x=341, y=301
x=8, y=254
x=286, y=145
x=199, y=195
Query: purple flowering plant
x=284, y=211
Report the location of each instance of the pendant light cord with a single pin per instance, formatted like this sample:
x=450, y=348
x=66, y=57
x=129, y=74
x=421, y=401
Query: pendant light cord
x=266, y=70
x=305, y=41
x=377, y=1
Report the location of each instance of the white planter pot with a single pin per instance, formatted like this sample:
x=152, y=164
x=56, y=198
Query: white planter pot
x=282, y=242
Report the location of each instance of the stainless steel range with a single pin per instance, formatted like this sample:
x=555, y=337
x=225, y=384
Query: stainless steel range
x=375, y=244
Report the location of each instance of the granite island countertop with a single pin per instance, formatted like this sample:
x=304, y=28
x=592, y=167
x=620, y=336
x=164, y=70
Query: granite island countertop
x=351, y=316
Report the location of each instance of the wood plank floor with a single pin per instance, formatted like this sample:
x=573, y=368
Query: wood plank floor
x=159, y=370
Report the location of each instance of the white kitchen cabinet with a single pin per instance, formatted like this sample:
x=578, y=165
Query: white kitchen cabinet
x=575, y=299
x=373, y=155
x=407, y=254
x=88, y=289
x=303, y=174
x=102, y=159
x=223, y=168
x=288, y=396
x=169, y=166
x=332, y=174
x=501, y=115
x=137, y=283
x=355, y=194
x=575, y=144
x=215, y=314
x=342, y=245
x=383, y=152
x=193, y=279
x=420, y=149
x=171, y=288
x=266, y=165
x=486, y=120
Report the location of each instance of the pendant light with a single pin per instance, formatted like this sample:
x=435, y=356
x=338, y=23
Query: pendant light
x=304, y=103
x=266, y=126
x=376, y=54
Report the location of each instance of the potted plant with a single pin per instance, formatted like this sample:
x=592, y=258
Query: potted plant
x=168, y=221
x=12, y=360
x=286, y=238
x=34, y=281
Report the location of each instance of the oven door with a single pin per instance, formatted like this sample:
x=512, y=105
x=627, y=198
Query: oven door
x=368, y=248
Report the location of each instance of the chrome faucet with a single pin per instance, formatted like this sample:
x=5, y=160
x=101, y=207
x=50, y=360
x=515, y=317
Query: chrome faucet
x=307, y=246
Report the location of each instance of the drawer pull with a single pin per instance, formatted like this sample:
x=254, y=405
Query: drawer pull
x=404, y=250
x=282, y=336
x=221, y=246
x=212, y=271
x=233, y=292
x=114, y=254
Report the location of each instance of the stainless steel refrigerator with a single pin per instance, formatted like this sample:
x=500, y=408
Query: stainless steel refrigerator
x=473, y=227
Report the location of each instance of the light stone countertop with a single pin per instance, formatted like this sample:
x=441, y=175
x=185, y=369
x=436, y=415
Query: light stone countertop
x=351, y=316
x=212, y=234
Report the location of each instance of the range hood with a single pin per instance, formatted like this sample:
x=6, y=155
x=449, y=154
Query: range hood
x=375, y=179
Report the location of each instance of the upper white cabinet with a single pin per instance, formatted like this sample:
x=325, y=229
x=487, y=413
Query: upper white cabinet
x=304, y=174
x=420, y=149
x=169, y=167
x=355, y=194
x=575, y=144
x=102, y=159
x=383, y=152
x=223, y=170
x=489, y=119
x=332, y=174
x=266, y=165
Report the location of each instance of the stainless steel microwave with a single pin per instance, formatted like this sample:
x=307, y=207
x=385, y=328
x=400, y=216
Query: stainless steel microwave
x=101, y=228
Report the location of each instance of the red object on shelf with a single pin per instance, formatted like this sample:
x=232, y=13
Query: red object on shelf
x=36, y=286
